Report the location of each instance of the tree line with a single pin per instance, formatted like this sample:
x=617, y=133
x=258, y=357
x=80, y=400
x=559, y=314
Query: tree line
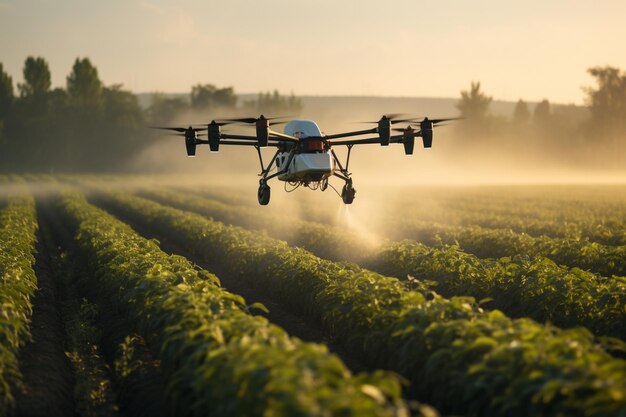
x=88, y=126
x=600, y=124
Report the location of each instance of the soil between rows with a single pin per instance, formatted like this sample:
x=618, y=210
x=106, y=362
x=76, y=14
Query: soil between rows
x=47, y=373
x=294, y=324
x=142, y=393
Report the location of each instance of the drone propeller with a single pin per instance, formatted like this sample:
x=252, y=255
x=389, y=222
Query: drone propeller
x=253, y=120
x=270, y=123
x=417, y=125
x=179, y=129
x=213, y=122
x=190, y=134
x=393, y=118
x=175, y=129
x=435, y=121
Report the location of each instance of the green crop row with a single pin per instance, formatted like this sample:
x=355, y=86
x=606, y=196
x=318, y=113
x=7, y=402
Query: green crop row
x=325, y=241
x=520, y=286
x=18, y=226
x=458, y=357
x=597, y=215
x=604, y=230
x=495, y=243
x=219, y=359
x=483, y=242
x=576, y=213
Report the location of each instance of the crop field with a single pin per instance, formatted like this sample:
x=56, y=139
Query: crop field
x=121, y=296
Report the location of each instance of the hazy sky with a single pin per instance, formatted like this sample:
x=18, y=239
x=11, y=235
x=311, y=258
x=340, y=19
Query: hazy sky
x=517, y=49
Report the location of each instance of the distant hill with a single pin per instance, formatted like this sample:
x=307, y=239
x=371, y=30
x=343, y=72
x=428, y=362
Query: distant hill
x=320, y=106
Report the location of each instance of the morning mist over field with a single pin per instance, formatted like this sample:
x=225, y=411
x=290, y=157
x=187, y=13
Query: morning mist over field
x=541, y=87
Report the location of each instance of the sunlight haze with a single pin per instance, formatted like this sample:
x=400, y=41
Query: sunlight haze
x=530, y=49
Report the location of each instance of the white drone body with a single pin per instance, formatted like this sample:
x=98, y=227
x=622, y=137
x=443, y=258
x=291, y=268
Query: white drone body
x=317, y=165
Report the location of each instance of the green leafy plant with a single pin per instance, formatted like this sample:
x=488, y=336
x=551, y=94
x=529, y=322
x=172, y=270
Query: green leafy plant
x=18, y=226
x=219, y=360
x=457, y=356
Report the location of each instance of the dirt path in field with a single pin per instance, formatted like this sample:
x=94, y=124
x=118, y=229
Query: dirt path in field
x=48, y=377
x=142, y=391
x=294, y=324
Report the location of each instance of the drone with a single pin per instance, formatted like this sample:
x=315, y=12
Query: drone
x=304, y=155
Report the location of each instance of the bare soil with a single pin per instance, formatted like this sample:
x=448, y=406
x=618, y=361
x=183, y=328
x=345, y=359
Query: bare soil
x=142, y=392
x=48, y=378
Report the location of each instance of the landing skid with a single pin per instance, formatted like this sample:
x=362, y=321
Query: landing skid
x=347, y=192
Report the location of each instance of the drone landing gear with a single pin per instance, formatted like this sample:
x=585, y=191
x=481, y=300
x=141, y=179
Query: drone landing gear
x=264, y=193
x=348, y=191
x=264, y=189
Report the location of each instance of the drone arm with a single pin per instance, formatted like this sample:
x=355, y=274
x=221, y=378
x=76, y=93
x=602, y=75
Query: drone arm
x=241, y=143
x=273, y=136
x=366, y=141
x=354, y=133
x=237, y=137
x=355, y=142
x=283, y=137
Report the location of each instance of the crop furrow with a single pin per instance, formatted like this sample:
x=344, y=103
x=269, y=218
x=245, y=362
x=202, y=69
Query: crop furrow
x=519, y=286
x=219, y=359
x=596, y=221
x=111, y=378
x=93, y=394
x=496, y=243
x=47, y=374
x=296, y=325
x=458, y=357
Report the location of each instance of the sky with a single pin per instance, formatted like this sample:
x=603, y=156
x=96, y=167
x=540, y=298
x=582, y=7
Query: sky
x=517, y=49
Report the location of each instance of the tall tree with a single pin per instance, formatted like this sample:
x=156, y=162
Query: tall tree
x=607, y=102
x=83, y=85
x=521, y=114
x=164, y=109
x=542, y=113
x=121, y=107
x=225, y=97
x=26, y=128
x=474, y=104
x=6, y=92
x=207, y=96
x=274, y=104
x=123, y=128
x=474, y=108
x=88, y=137
x=36, y=78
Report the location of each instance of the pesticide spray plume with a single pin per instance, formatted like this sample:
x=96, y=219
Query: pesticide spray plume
x=357, y=225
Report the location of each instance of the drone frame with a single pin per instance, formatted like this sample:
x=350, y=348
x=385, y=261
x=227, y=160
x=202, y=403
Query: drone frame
x=266, y=137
